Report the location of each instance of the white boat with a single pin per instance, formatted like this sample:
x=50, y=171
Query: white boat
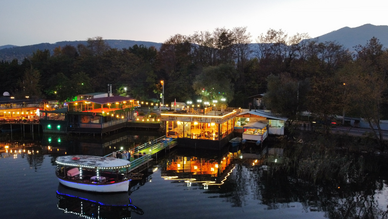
x=93, y=173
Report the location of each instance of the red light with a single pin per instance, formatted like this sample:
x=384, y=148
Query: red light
x=333, y=123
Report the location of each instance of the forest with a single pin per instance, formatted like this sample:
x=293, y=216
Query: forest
x=295, y=73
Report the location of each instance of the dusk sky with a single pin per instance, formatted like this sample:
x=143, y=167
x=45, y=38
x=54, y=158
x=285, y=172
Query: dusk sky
x=27, y=22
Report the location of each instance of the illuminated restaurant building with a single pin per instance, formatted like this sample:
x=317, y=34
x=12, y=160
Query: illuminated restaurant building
x=88, y=114
x=205, y=128
x=18, y=110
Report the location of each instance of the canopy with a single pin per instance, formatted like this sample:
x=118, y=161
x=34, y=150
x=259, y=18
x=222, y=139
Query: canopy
x=255, y=125
x=90, y=161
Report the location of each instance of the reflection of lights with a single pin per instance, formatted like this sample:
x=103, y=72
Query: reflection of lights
x=6, y=146
x=169, y=177
x=216, y=166
x=256, y=161
x=155, y=169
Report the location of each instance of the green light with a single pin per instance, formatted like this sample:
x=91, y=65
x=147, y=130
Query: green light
x=49, y=139
x=49, y=126
x=82, y=83
x=58, y=127
x=59, y=140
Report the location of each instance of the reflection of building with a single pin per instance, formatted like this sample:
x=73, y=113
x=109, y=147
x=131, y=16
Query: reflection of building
x=208, y=171
x=204, y=128
x=92, y=205
x=61, y=144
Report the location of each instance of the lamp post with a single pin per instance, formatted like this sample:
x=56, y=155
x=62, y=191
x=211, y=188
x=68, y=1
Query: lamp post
x=223, y=99
x=343, y=108
x=162, y=82
x=215, y=106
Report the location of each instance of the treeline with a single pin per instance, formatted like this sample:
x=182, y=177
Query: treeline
x=295, y=73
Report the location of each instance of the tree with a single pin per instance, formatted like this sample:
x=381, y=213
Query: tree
x=366, y=85
x=286, y=95
x=324, y=99
x=29, y=84
x=214, y=83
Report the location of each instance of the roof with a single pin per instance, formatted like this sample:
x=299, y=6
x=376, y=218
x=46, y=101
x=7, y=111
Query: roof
x=263, y=113
x=92, y=94
x=89, y=161
x=256, y=95
x=255, y=125
x=7, y=100
x=105, y=100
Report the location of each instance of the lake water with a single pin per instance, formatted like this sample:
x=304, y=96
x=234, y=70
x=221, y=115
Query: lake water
x=30, y=189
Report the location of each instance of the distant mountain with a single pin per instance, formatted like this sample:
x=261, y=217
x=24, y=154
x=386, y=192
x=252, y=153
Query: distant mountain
x=9, y=52
x=348, y=37
x=351, y=37
x=6, y=47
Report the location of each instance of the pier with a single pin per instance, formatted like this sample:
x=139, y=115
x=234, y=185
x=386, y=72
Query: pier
x=143, y=154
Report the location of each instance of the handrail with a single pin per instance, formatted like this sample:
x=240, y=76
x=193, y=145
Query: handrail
x=154, y=145
x=137, y=162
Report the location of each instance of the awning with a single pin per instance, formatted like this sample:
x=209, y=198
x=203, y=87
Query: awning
x=255, y=125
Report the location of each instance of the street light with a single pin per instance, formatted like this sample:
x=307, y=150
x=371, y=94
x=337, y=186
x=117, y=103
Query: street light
x=162, y=82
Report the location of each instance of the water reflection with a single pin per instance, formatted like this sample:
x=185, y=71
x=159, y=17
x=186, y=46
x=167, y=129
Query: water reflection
x=346, y=186
x=206, y=168
x=96, y=205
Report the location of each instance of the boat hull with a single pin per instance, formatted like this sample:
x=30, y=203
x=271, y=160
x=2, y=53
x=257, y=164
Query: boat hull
x=114, y=187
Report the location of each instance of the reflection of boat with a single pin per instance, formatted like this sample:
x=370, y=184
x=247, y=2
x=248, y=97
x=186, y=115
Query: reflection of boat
x=93, y=173
x=95, y=205
x=235, y=141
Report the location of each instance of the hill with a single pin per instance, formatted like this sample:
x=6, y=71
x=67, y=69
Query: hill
x=351, y=37
x=348, y=37
x=9, y=52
